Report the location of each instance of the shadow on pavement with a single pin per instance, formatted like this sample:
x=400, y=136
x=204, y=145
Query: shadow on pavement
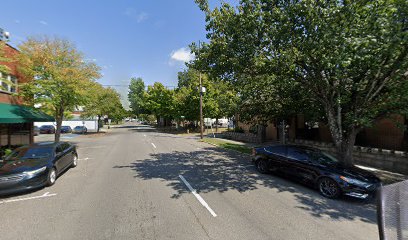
x=214, y=169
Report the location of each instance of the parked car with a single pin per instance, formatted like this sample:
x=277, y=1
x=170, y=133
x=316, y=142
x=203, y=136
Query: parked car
x=47, y=129
x=80, y=129
x=66, y=129
x=36, y=131
x=36, y=165
x=318, y=169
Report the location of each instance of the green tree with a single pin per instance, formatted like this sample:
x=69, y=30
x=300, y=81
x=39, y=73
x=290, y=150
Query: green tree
x=349, y=58
x=159, y=101
x=136, y=95
x=219, y=100
x=61, y=76
x=103, y=102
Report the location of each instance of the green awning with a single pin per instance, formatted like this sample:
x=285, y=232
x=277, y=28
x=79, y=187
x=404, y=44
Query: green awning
x=22, y=114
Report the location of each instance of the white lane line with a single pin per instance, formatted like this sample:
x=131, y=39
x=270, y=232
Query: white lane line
x=47, y=194
x=84, y=159
x=144, y=135
x=199, y=198
x=154, y=145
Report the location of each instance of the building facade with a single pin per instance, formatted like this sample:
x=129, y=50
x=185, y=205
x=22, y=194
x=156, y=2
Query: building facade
x=16, y=120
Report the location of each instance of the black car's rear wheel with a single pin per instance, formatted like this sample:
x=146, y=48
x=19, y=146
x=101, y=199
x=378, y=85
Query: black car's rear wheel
x=51, y=177
x=329, y=188
x=261, y=165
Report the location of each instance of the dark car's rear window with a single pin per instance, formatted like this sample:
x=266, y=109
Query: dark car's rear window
x=277, y=150
x=30, y=153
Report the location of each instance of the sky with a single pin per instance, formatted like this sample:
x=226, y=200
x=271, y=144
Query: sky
x=126, y=38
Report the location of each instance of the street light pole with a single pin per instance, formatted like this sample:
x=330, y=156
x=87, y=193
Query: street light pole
x=201, y=97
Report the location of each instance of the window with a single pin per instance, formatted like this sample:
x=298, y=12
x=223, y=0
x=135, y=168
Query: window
x=65, y=146
x=8, y=83
x=59, y=149
x=298, y=154
x=277, y=150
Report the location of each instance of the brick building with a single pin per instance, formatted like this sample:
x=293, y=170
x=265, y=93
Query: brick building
x=16, y=120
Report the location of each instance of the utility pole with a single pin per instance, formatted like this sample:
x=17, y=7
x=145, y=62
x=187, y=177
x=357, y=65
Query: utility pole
x=201, y=97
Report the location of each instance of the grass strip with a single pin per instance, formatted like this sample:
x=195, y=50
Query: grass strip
x=220, y=143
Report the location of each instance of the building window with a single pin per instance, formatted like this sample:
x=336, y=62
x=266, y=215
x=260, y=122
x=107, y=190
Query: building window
x=8, y=83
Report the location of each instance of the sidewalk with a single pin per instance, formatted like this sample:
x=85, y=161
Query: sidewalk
x=386, y=176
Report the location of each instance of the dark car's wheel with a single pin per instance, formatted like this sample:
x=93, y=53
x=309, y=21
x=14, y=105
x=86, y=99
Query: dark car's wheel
x=51, y=177
x=74, y=160
x=329, y=188
x=261, y=165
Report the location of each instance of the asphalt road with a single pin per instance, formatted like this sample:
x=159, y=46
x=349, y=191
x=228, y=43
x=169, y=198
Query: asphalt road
x=135, y=183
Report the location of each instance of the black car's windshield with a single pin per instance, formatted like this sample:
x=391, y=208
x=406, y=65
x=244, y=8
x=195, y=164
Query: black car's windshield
x=30, y=153
x=323, y=158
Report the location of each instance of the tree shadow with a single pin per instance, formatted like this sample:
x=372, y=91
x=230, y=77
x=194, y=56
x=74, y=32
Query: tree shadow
x=214, y=169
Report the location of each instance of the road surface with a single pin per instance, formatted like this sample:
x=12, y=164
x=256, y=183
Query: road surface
x=137, y=183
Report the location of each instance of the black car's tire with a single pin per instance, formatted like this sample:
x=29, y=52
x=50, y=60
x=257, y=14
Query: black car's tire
x=328, y=188
x=51, y=177
x=74, y=160
x=261, y=165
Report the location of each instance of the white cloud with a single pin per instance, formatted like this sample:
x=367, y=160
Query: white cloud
x=43, y=22
x=182, y=55
x=139, y=16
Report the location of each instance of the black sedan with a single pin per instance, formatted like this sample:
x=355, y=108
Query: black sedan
x=47, y=129
x=36, y=165
x=316, y=168
x=66, y=129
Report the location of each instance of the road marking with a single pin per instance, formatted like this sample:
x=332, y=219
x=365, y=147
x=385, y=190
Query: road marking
x=92, y=147
x=199, y=198
x=154, y=145
x=84, y=159
x=47, y=194
x=144, y=135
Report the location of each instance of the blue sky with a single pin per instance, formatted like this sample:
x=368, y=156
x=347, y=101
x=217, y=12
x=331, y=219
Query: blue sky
x=139, y=38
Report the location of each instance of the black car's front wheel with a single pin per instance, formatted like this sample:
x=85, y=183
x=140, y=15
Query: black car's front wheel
x=51, y=177
x=329, y=188
x=74, y=160
x=261, y=165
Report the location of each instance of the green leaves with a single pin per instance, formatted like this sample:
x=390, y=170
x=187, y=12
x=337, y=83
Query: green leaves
x=136, y=95
x=61, y=77
x=346, y=59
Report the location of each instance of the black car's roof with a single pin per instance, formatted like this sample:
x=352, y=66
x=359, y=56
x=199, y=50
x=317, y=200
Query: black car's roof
x=43, y=144
x=295, y=146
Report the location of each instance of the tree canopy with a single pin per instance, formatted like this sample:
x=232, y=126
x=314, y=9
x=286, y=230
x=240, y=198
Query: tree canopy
x=61, y=76
x=136, y=95
x=348, y=59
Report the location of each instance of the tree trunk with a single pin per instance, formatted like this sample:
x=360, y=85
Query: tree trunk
x=343, y=138
x=97, y=127
x=216, y=125
x=58, y=120
x=345, y=148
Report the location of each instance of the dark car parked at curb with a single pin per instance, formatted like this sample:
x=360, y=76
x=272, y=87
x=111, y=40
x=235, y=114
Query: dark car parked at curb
x=318, y=169
x=66, y=129
x=35, y=166
x=47, y=129
x=80, y=129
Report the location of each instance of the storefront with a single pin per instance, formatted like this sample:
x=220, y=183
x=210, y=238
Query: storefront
x=16, y=124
